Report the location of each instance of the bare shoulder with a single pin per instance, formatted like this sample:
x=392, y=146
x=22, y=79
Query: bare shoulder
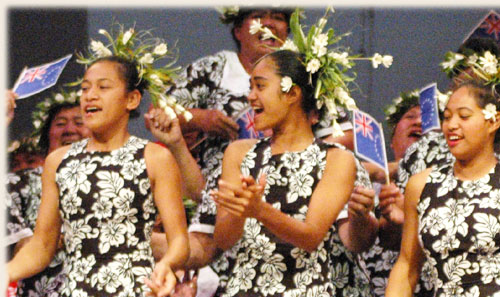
x=157, y=153
x=339, y=156
x=53, y=159
x=238, y=149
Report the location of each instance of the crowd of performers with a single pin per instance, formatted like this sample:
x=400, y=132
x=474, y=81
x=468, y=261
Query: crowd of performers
x=291, y=211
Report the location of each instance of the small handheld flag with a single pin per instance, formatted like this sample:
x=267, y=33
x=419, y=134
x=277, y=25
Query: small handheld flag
x=369, y=141
x=247, y=125
x=488, y=27
x=429, y=108
x=36, y=79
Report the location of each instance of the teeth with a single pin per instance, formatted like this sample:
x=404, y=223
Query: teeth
x=91, y=109
x=453, y=137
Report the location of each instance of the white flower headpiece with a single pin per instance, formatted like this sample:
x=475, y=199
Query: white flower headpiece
x=41, y=113
x=490, y=112
x=330, y=64
x=228, y=13
x=145, y=50
x=486, y=67
x=399, y=106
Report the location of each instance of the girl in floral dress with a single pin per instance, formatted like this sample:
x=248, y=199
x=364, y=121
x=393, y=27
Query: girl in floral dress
x=280, y=198
x=452, y=211
x=105, y=192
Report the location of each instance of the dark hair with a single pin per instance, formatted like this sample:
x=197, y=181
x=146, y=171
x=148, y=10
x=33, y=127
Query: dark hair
x=483, y=94
x=129, y=73
x=44, y=141
x=289, y=63
x=475, y=45
x=244, y=12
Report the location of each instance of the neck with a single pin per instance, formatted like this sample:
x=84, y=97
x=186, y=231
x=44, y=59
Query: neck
x=105, y=142
x=295, y=135
x=247, y=61
x=476, y=167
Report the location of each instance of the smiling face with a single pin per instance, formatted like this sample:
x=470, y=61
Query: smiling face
x=67, y=127
x=464, y=126
x=265, y=95
x=105, y=101
x=252, y=45
x=407, y=131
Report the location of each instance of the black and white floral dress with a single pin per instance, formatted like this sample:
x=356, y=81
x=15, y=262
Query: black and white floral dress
x=108, y=215
x=459, y=229
x=27, y=186
x=265, y=265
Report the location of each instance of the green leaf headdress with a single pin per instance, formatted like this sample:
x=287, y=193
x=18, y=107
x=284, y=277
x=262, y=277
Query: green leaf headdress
x=486, y=67
x=42, y=109
x=399, y=106
x=333, y=65
x=145, y=50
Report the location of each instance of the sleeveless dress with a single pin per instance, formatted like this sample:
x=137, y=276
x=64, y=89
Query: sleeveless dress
x=108, y=214
x=265, y=265
x=459, y=230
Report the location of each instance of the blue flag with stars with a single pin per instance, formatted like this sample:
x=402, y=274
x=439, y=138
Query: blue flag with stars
x=488, y=27
x=247, y=125
x=36, y=79
x=429, y=108
x=369, y=141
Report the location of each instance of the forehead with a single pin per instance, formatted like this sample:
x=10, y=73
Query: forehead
x=264, y=67
x=463, y=97
x=103, y=70
x=68, y=112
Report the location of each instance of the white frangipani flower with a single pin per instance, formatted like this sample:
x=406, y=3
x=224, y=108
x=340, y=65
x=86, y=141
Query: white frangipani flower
x=127, y=35
x=99, y=49
x=160, y=49
x=337, y=130
x=268, y=34
x=341, y=58
x=490, y=112
x=147, y=59
x=59, y=97
x=321, y=40
x=322, y=23
x=170, y=112
x=290, y=46
x=187, y=116
x=344, y=98
x=255, y=26
x=378, y=59
x=472, y=59
x=286, y=84
x=443, y=100
x=489, y=63
x=449, y=64
x=313, y=66
x=156, y=79
x=103, y=32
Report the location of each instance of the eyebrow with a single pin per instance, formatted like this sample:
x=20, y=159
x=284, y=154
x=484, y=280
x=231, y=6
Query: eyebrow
x=99, y=80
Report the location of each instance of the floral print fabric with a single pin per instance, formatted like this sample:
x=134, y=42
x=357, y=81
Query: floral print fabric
x=459, y=229
x=108, y=214
x=264, y=265
x=27, y=186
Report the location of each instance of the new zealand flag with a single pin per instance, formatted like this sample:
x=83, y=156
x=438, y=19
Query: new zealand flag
x=247, y=125
x=369, y=141
x=36, y=79
x=488, y=27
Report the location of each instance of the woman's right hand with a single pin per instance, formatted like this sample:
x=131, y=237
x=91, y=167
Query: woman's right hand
x=164, y=128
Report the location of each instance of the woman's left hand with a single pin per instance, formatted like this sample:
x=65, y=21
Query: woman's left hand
x=162, y=281
x=244, y=200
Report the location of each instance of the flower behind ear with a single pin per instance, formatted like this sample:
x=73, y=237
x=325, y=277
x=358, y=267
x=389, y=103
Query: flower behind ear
x=490, y=112
x=286, y=84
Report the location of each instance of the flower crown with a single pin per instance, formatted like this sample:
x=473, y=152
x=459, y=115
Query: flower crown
x=42, y=109
x=228, y=14
x=332, y=66
x=142, y=48
x=486, y=66
x=399, y=106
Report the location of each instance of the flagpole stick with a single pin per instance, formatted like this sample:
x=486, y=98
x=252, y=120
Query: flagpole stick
x=387, y=178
